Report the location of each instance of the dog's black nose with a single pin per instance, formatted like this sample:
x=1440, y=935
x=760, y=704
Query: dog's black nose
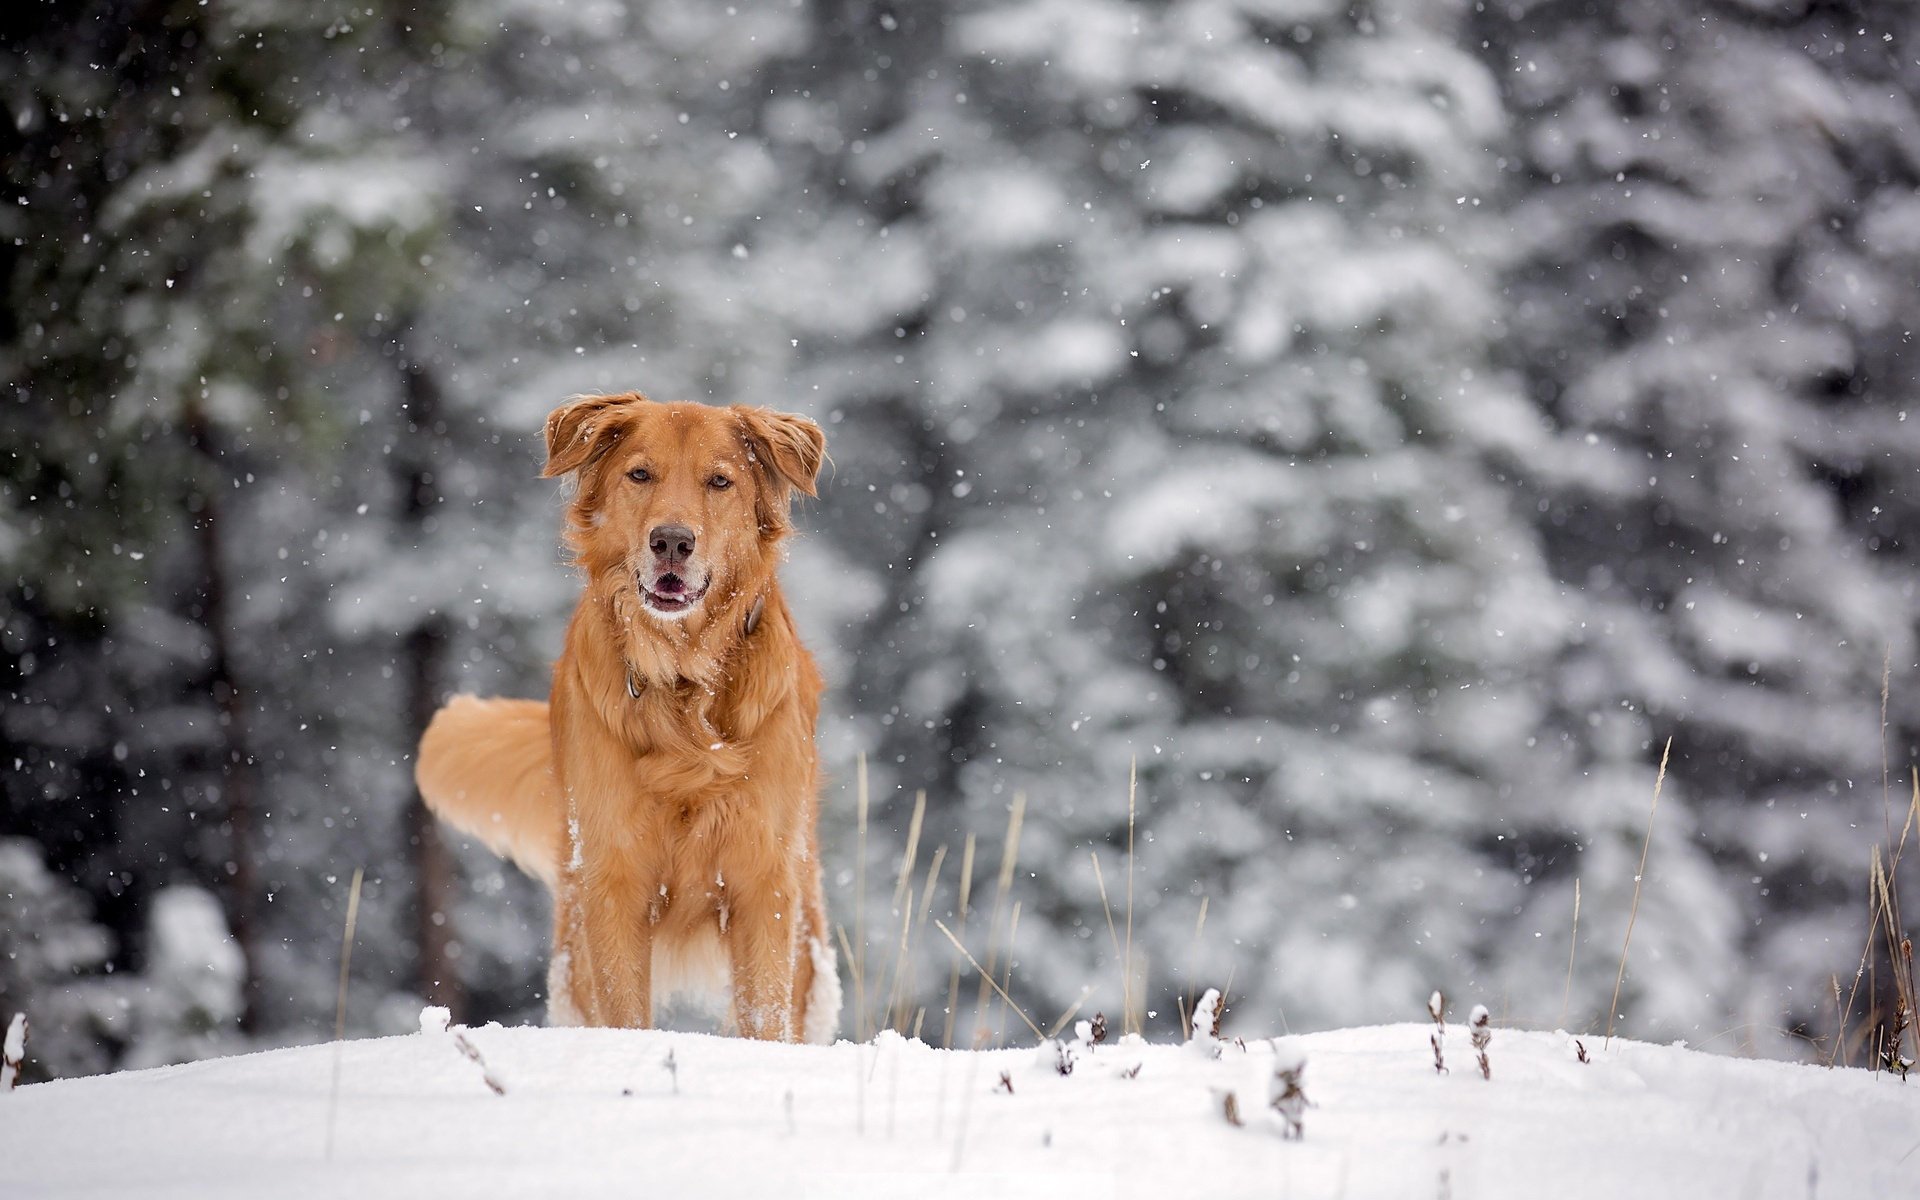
x=673, y=543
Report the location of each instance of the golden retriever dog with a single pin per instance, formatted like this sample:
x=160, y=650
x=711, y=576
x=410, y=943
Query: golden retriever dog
x=668, y=791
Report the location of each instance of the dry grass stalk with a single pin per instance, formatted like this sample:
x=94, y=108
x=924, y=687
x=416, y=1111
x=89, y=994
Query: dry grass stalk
x=1882, y=917
x=1437, y=1009
x=953, y=974
x=942, y=927
x=1580, y=1051
x=1113, y=934
x=340, y=1004
x=913, y=848
x=858, y=959
x=891, y=1016
x=1859, y=971
x=1009, y=859
x=1006, y=983
x=1129, y=1022
x=1886, y=776
x=492, y=1081
x=966, y=1108
x=1899, y=945
x=1054, y=1029
x=933, y=879
x=902, y=905
x=898, y=1001
x=1633, y=912
x=899, y=960
x=860, y=1089
x=1899, y=950
x=846, y=949
x=1573, y=948
x=1193, y=963
x=893, y=1090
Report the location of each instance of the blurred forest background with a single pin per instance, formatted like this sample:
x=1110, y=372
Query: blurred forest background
x=1386, y=422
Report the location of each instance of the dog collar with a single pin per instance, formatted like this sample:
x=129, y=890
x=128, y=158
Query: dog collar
x=753, y=623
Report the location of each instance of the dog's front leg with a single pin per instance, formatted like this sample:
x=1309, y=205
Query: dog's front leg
x=620, y=945
x=571, y=996
x=611, y=876
x=762, y=919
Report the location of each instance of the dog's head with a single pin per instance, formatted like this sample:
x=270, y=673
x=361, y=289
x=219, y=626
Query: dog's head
x=686, y=500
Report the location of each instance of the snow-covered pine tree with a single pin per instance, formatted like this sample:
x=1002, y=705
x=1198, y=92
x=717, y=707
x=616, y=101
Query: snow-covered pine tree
x=1711, y=302
x=1162, y=347
x=114, y=658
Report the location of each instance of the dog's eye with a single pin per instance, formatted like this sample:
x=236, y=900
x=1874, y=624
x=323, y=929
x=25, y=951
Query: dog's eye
x=640, y=475
x=719, y=483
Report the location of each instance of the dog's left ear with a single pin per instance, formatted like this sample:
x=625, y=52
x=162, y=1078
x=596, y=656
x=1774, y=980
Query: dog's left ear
x=792, y=447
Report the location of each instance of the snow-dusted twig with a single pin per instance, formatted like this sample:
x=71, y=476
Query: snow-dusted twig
x=1285, y=1091
x=1480, y=1023
x=673, y=1069
x=1892, y=1059
x=1205, y=1034
x=1230, y=1108
x=1058, y=1055
x=473, y=1052
x=14, y=1052
x=1437, y=1009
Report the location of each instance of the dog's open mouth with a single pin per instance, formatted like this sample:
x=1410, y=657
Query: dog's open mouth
x=670, y=596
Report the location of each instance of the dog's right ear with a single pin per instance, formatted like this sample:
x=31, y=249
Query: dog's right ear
x=580, y=431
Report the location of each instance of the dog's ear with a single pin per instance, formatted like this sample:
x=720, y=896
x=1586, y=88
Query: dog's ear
x=791, y=447
x=583, y=429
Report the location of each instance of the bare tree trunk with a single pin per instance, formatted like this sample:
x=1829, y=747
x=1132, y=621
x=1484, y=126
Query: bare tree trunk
x=425, y=651
x=239, y=770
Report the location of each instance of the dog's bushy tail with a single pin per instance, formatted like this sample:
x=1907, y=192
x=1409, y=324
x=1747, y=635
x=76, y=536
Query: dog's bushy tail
x=486, y=768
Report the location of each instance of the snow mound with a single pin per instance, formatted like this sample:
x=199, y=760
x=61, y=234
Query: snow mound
x=589, y=1112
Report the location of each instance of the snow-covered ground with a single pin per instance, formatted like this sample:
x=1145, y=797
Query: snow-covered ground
x=602, y=1112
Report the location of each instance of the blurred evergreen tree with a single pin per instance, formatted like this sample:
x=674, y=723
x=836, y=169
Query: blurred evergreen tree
x=106, y=671
x=1157, y=339
x=1710, y=294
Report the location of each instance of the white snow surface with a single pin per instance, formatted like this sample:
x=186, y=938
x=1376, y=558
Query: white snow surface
x=592, y=1111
